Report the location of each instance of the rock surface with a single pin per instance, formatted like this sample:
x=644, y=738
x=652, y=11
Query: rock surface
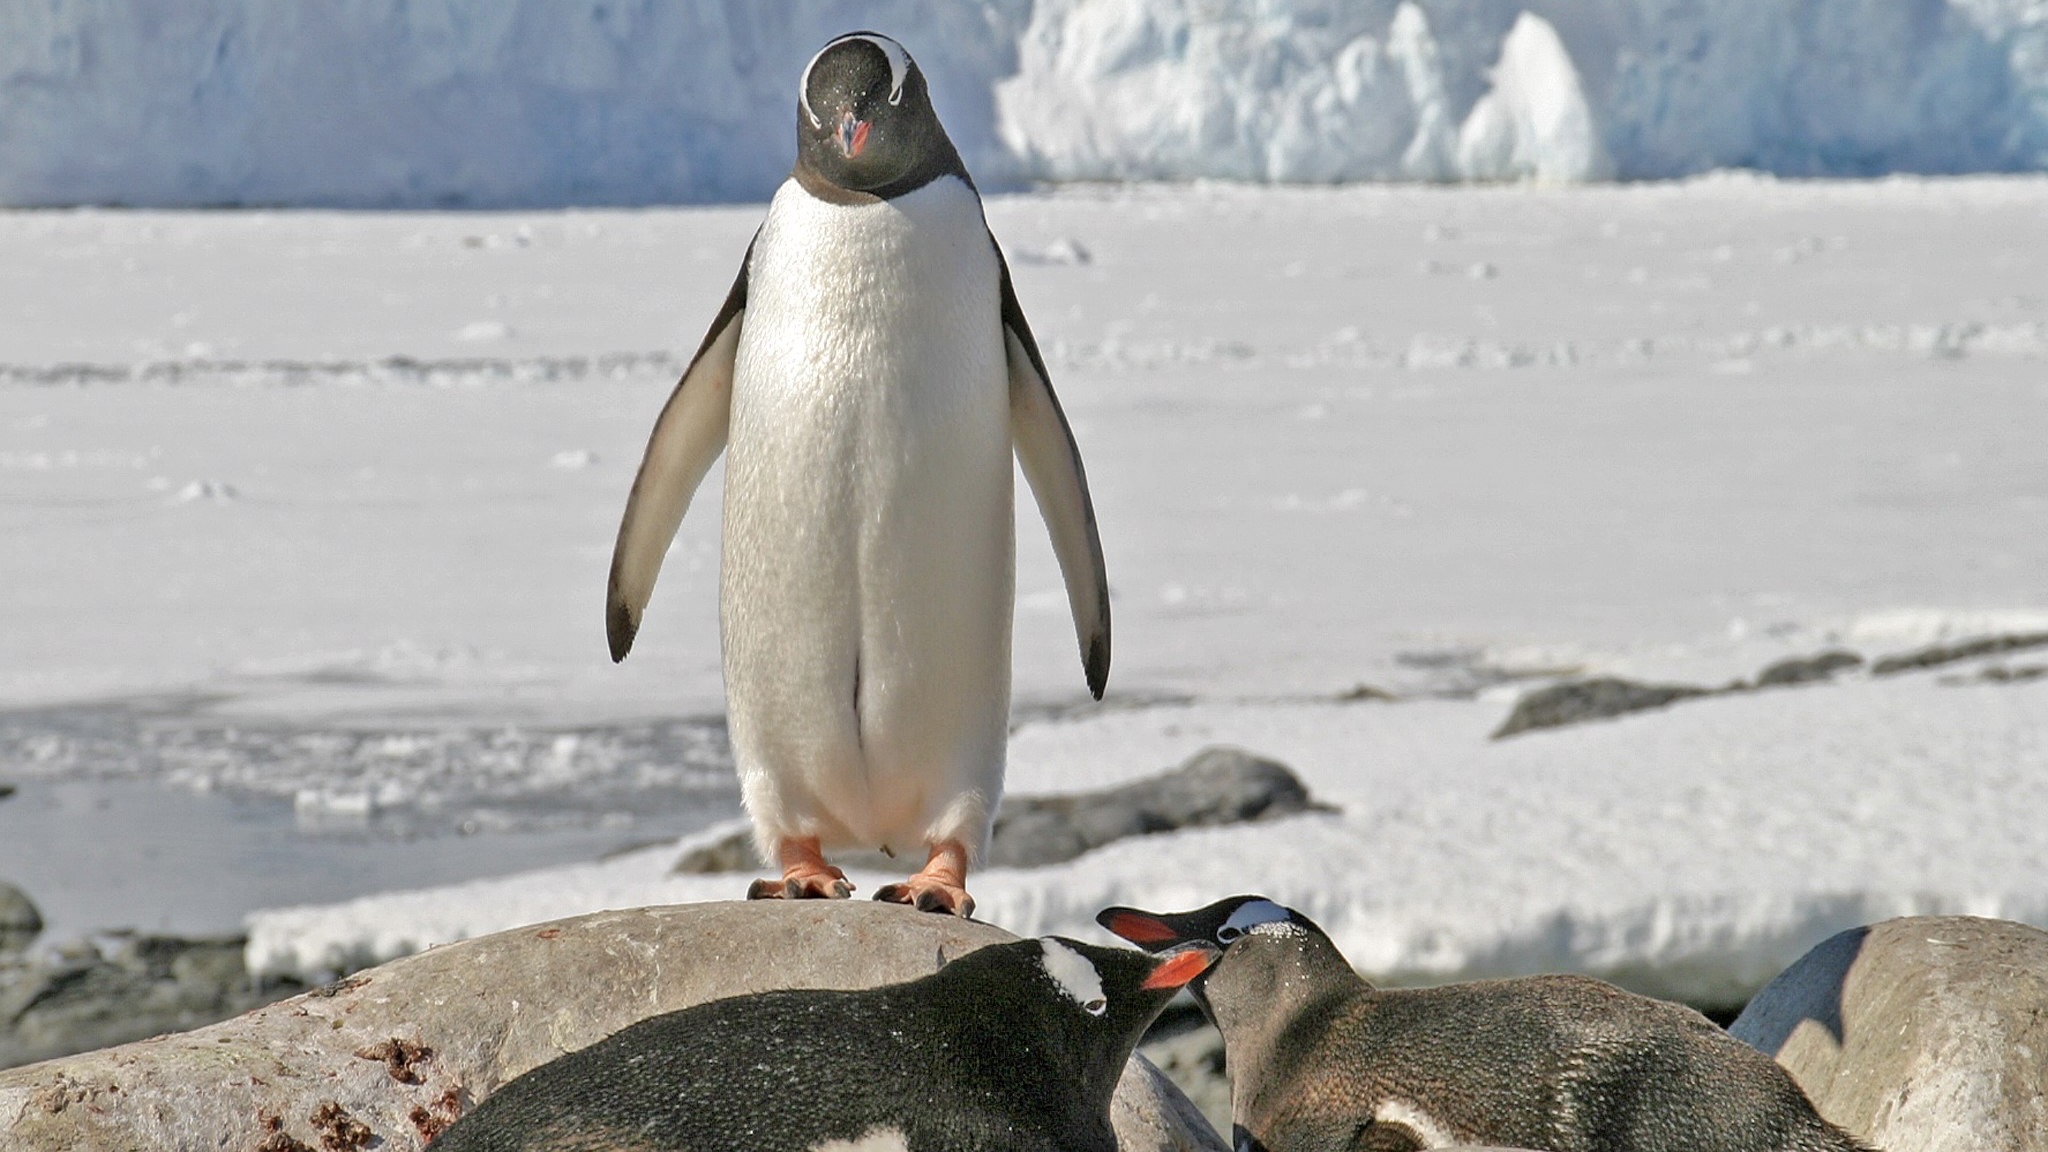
x=1935, y=655
x=20, y=922
x=388, y=1057
x=1807, y=669
x=1575, y=701
x=1216, y=786
x=1917, y=1034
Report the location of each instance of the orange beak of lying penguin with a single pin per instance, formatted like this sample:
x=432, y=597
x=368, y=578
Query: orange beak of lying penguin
x=1178, y=967
x=853, y=134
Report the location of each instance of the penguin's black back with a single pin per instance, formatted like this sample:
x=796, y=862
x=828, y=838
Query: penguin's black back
x=952, y=1062
x=1549, y=1062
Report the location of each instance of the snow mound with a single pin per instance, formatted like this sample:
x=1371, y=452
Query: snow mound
x=1691, y=853
x=480, y=102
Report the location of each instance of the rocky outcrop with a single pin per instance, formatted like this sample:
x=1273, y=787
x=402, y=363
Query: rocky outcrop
x=1576, y=701
x=1216, y=786
x=20, y=922
x=391, y=1055
x=1936, y=655
x=1918, y=1034
x=1807, y=669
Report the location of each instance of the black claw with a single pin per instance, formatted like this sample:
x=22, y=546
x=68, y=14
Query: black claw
x=890, y=894
x=841, y=889
x=930, y=901
x=764, y=890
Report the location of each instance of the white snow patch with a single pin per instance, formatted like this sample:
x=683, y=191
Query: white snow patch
x=217, y=491
x=484, y=331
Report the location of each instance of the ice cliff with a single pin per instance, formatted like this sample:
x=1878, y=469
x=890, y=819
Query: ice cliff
x=536, y=102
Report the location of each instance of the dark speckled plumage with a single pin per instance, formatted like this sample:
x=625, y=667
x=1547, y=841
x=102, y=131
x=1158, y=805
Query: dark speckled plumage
x=988, y=1053
x=1321, y=1060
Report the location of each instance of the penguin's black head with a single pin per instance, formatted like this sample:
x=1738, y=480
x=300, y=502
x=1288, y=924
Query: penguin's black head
x=864, y=120
x=1078, y=1009
x=1228, y=924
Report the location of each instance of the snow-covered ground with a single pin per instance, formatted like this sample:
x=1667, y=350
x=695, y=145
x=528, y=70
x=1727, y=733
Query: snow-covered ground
x=540, y=102
x=327, y=499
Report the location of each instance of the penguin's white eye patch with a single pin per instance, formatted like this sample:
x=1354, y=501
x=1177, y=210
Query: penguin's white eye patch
x=1075, y=976
x=1249, y=915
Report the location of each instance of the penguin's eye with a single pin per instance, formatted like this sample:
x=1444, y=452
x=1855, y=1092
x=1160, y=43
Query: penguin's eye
x=1096, y=1007
x=1227, y=933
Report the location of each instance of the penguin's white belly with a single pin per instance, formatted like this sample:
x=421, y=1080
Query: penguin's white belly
x=868, y=569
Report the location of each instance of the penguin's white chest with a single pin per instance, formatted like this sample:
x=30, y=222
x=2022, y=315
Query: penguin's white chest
x=867, y=580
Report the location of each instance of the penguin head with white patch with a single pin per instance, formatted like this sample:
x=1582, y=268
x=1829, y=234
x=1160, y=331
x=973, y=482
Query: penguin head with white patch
x=1082, y=1007
x=1268, y=950
x=864, y=119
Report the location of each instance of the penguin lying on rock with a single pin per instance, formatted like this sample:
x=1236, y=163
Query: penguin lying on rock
x=868, y=378
x=1014, y=1047
x=1319, y=1059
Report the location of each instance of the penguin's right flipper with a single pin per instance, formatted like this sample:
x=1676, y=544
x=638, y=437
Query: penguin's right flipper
x=687, y=439
x=1052, y=465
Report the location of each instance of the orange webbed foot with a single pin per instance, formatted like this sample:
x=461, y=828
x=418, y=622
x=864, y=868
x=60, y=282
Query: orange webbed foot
x=940, y=886
x=805, y=875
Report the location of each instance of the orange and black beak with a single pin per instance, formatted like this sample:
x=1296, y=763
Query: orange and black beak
x=853, y=134
x=1180, y=966
x=1148, y=930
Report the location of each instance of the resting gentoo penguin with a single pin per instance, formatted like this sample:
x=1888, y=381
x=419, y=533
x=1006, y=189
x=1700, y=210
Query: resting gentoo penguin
x=1320, y=1059
x=868, y=378
x=1011, y=1047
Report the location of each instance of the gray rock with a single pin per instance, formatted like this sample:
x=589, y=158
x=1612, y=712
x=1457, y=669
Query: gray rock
x=1935, y=655
x=1215, y=786
x=1576, y=701
x=1193, y=1059
x=1807, y=669
x=388, y=1057
x=1917, y=1034
x=20, y=922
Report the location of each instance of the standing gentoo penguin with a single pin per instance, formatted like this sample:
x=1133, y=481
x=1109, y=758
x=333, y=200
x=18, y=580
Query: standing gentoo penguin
x=1013, y=1047
x=868, y=378
x=1319, y=1058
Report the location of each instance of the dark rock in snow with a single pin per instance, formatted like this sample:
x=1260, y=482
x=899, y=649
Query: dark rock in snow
x=20, y=922
x=1575, y=701
x=1935, y=655
x=735, y=853
x=1216, y=786
x=1807, y=669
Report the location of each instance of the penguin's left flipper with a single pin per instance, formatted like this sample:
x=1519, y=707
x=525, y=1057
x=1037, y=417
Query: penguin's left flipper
x=1052, y=466
x=688, y=437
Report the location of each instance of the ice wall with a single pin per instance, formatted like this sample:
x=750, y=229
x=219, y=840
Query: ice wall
x=510, y=102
